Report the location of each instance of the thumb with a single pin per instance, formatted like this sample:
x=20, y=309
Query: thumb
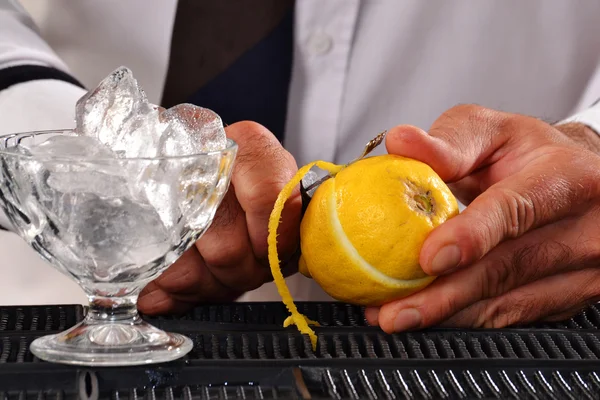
x=460, y=141
x=412, y=142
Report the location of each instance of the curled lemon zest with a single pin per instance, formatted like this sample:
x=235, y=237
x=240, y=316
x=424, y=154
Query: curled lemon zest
x=296, y=318
x=290, y=321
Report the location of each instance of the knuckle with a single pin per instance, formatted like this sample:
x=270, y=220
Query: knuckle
x=449, y=123
x=478, y=232
x=535, y=261
x=261, y=172
x=553, y=196
x=470, y=127
x=448, y=306
x=502, y=312
x=588, y=292
x=445, y=308
x=257, y=145
x=245, y=283
x=475, y=116
x=230, y=253
x=499, y=276
x=250, y=278
x=515, y=212
x=180, y=279
x=588, y=166
x=251, y=130
x=227, y=212
x=468, y=110
x=261, y=195
x=590, y=244
x=510, y=122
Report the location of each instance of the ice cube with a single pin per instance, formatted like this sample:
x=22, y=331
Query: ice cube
x=176, y=187
x=101, y=183
x=191, y=130
x=106, y=112
x=140, y=135
x=115, y=234
x=156, y=184
x=60, y=189
x=119, y=115
x=83, y=147
x=75, y=175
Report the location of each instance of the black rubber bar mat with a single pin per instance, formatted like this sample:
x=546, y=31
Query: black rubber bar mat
x=242, y=351
x=263, y=315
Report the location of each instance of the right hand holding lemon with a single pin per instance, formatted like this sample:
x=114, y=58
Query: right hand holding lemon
x=526, y=247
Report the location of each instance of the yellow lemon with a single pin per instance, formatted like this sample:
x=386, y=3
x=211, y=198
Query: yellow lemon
x=363, y=231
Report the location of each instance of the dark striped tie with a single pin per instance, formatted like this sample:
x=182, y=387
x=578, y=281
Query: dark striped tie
x=234, y=57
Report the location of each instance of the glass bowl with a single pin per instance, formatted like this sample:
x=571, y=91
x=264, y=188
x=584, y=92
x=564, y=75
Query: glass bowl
x=113, y=225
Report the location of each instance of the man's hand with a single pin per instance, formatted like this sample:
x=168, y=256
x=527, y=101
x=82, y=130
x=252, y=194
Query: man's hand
x=231, y=257
x=527, y=247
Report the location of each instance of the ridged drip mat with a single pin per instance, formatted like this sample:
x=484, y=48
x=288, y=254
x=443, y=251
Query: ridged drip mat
x=242, y=351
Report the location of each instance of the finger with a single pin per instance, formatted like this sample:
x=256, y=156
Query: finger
x=226, y=249
x=372, y=315
x=460, y=141
x=262, y=169
x=570, y=312
x=510, y=157
x=521, y=202
x=555, y=298
x=186, y=281
x=544, y=252
x=153, y=300
x=468, y=138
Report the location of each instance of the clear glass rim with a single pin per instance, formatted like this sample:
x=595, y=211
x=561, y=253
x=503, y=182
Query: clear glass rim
x=231, y=146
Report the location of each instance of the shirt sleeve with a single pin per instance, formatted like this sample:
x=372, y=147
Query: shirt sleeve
x=37, y=91
x=587, y=111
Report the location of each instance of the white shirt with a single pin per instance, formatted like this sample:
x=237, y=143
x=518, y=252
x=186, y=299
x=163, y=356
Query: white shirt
x=360, y=66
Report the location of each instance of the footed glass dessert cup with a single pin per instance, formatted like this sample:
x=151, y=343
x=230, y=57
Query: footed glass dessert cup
x=113, y=225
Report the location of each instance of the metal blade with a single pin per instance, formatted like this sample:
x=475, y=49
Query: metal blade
x=308, y=186
x=310, y=182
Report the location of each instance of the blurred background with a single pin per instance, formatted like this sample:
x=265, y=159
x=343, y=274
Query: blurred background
x=91, y=53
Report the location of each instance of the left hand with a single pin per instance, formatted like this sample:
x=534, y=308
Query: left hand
x=231, y=257
x=527, y=247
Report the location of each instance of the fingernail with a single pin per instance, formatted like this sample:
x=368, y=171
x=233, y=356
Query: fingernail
x=372, y=315
x=446, y=259
x=407, y=319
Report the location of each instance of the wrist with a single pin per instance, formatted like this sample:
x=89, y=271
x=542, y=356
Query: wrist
x=581, y=134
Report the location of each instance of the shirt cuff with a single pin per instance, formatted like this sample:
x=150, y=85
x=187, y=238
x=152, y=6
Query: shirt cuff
x=589, y=117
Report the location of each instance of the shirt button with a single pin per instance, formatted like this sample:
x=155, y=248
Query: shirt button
x=319, y=43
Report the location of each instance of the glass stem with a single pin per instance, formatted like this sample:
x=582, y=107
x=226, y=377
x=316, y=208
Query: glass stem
x=112, y=309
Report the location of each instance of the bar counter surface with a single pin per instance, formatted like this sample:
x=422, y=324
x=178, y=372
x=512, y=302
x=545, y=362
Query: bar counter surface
x=241, y=351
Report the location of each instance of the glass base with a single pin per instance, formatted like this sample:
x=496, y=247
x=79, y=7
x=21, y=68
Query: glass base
x=114, y=343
